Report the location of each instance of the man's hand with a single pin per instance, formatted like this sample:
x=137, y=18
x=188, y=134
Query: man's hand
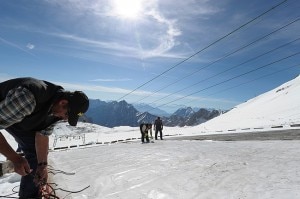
x=21, y=165
x=41, y=175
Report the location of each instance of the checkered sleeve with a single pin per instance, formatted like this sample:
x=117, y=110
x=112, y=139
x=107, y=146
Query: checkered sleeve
x=19, y=103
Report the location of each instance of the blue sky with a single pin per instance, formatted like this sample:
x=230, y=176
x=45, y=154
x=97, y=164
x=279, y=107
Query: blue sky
x=108, y=48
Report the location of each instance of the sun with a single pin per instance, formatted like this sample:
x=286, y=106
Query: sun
x=128, y=9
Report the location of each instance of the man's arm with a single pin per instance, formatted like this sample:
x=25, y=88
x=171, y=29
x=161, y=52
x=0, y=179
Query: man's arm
x=21, y=165
x=41, y=147
x=6, y=149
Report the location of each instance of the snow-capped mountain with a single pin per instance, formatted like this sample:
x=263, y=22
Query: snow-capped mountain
x=184, y=112
x=111, y=114
x=154, y=111
x=188, y=117
x=145, y=117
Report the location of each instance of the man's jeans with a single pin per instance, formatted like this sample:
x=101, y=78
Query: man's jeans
x=26, y=142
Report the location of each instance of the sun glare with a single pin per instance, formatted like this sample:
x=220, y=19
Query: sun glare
x=128, y=8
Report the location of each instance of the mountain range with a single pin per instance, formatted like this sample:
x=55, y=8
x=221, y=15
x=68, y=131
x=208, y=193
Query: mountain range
x=142, y=107
x=112, y=114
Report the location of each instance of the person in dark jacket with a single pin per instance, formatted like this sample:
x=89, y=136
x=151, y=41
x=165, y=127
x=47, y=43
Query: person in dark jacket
x=145, y=128
x=158, y=126
x=29, y=109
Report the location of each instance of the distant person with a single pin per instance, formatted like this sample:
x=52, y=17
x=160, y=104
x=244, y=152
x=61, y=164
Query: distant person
x=29, y=108
x=144, y=128
x=158, y=126
x=150, y=130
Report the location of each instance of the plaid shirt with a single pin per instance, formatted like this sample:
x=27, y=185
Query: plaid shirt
x=19, y=102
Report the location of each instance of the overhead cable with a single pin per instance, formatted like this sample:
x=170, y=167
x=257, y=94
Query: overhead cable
x=225, y=56
x=231, y=79
x=247, y=82
x=213, y=43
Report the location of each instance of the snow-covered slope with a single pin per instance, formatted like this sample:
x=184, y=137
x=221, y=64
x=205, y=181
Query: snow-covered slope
x=278, y=107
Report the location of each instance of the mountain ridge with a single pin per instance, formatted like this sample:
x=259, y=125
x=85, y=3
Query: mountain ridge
x=112, y=114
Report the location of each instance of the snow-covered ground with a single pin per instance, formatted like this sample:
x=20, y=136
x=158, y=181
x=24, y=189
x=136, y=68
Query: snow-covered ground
x=183, y=170
x=114, y=164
